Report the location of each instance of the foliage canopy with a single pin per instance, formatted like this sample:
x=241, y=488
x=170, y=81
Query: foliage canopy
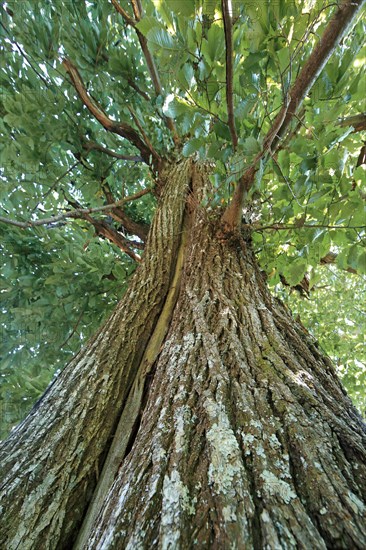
x=163, y=74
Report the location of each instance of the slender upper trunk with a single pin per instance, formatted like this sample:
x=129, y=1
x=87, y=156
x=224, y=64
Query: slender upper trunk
x=231, y=427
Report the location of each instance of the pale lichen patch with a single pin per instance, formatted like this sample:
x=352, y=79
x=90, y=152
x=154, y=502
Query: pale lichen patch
x=355, y=503
x=248, y=440
x=176, y=500
x=181, y=416
x=277, y=487
x=256, y=424
x=260, y=450
x=229, y=514
x=226, y=462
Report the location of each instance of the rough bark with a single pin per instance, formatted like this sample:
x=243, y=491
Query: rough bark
x=234, y=430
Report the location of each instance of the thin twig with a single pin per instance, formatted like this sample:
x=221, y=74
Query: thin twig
x=124, y=13
x=229, y=71
x=137, y=8
x=142, y=131
x=278, y=226
x=54, y=185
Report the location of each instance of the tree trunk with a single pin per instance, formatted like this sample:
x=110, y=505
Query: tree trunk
x=226, y=426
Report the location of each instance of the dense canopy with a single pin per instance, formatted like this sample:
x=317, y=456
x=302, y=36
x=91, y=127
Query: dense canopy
x=94, y=95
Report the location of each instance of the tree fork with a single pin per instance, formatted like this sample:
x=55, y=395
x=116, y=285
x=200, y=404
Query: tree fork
x=246, y=435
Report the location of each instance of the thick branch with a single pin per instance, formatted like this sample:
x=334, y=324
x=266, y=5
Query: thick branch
x=77, y=213
x=229, y=70
x=104, y=230
x=312, y=68
x=137, y=8
x=120, y=128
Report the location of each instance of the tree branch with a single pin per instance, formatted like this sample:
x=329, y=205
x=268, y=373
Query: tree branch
x=362, y=156
x=357, y=121
x=124, y=13
x=104, y=230
x=124, y=130
x=312, y=68
x=303, y=287
x=91, y=145
x=74, y=213
x=137, y=8
x=137, y=89
x=54, y=185
x=280, y=226
x=139, y=229
x=142, y=131
x=229, y=70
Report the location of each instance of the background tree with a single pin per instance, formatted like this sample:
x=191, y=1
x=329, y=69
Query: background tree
x=190, y=138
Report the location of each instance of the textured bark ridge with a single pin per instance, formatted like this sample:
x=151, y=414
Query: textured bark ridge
x=247, y=439
x=231, y=427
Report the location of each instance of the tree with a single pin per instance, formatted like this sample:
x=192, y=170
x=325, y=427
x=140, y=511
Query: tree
x=200, y=413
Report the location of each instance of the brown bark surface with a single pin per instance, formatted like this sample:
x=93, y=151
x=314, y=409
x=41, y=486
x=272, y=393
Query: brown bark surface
x=234, y=430
x=247, y=439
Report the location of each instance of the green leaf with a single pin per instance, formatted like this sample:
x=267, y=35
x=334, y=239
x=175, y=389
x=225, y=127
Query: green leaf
x=182, y=7
x=215, y=42
x=161, y=38
x=147, y=23
x=284, y=161
x=222, y=130
x=295, y=271
x=192, y=146
x=361, y=263
x=251, y=146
